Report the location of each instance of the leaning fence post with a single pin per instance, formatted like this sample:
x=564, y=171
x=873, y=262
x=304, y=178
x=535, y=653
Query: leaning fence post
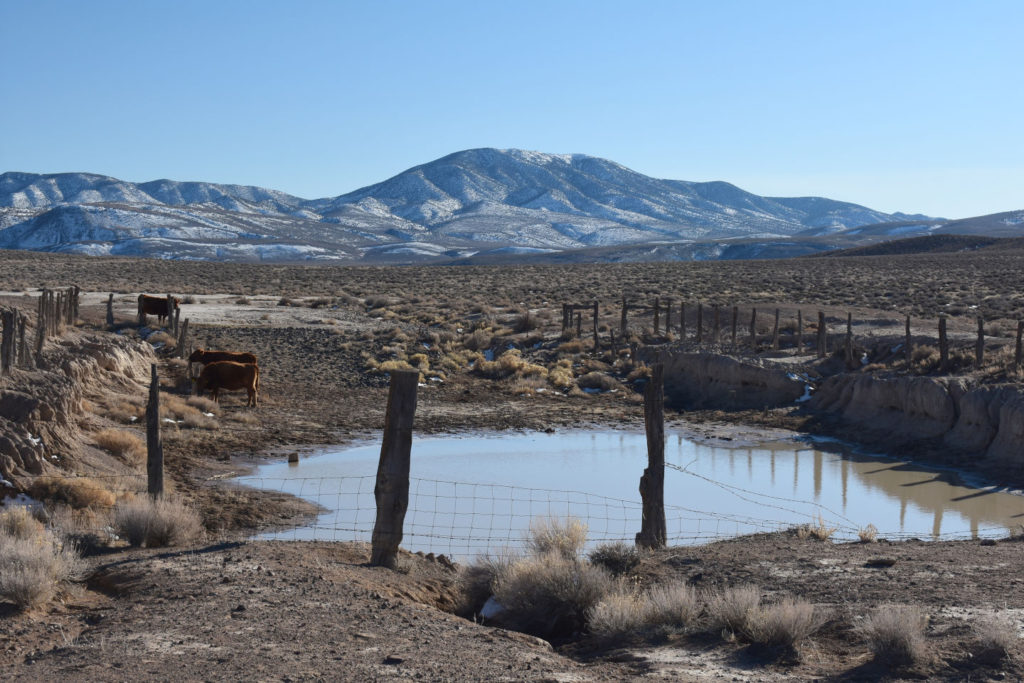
x=110, y=311
x=154, y=448
x=943, y=344
x=624, y=320
x=392, y=489
x=979, y=347
x=653, y=533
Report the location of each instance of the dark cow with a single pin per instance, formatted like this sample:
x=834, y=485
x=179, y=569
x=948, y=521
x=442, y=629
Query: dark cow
x=156, y=305
x=229, y=376
x=206, y=357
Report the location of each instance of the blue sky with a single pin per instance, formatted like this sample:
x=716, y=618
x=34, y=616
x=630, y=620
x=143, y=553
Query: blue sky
x=901, y=106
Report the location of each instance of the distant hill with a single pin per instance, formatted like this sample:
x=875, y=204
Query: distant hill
x=485, y=204
x=928, y=244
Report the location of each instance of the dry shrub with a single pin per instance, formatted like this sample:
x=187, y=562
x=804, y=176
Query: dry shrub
x=33, y=566
x=85, y=529
x=199, y=421
x=157, y=523
x=571, y=346
x=126, y=412
x=203, y=404
x=868, y=534
x=123, y=444
x=816, y=530
x=507, y=364
x=78, y=492
x=242, y=301
x=475, y=581
x=247, y=418
x=18, y=522
x=676, y=605
x=420, y=361
x=996, y=636
x=394, y=365
x=639, y=372
x=784, y=623
x=525, y=322
x=564, y=537
x=598, y=380
x=619, y=613
x=618, y=558
x=561, y=375
x=551, y=594
x=161, y=338
x=528, y=385
x=895, y=633
x=733, y=607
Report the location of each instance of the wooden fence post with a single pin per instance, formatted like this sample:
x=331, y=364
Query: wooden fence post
x=579, y=324
x=7, y=340
x=392, y=489
x=110, y=311
x=657, y=313
x=822, y=336
x=183, y=340
x=169, y=310
x=979, y=346
x=753, y=329
x=799, y=331
x=668, y=316
x=154, y=447
x=176, y=318
x=716, y=325
x=24, y=357
x=849, y=341
x=596, y=343
x=682, y=320
x=624, y=321
x=735, y=318
x=908, y=351
x=142, y=312
x=653, y=531
x=1020, y=338
x=943, y=344
x=775, y=332
x=700, y=323
x=74, y=303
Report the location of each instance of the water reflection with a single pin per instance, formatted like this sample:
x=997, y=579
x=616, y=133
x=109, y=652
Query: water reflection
x=482, y=490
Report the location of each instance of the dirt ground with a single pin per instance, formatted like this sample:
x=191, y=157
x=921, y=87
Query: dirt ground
x=230, y=609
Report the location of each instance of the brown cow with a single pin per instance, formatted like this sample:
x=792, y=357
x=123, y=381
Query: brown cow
x=156, y=305
x=206, y=357
x=229, y=376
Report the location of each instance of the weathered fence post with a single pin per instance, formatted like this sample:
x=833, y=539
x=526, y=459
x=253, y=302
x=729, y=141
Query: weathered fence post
x=176, y=328
x=565, y=318
x=110, y=311
x=624, y=320
x=775, y=332
x=753, y=329
x=392, y=489
x=74, y=303
x=657, y=313
x=848, y=352
x=24, y=357
x=154, y=447
x=169, y=310
x=579, y=324
x=799, y=331
x=716, y=326
x=142, y=312
x=943, y=344
x=700, y=323
x=668, y=316
x=908, y=351
x=7, y=340
x=822, y=339
x=1020, y=338
x=596, y=344
x=653, y=531
x=979, y=346
x=682, y=320
x=735, y=318
x=183, y=340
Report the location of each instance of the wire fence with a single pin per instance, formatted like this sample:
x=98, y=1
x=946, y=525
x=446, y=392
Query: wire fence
x=464, y=519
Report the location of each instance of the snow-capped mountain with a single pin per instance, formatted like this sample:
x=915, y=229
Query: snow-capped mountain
x=476, y=201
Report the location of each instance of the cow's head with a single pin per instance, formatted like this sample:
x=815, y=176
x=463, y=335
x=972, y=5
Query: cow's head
x=196, y=356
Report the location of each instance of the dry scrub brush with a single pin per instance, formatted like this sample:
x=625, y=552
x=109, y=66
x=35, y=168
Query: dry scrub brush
x=78, y=492
x=565, y=537
x=895, y=633
x=996, y=635
x=33, y=561
x=675, y=607
x=157, y=523
x=124, y=444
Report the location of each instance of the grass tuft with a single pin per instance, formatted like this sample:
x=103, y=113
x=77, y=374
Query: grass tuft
x=163, y=522
x=895, y=634
x=564, y=537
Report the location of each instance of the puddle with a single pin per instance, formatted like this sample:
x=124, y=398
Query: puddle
x=477, y=493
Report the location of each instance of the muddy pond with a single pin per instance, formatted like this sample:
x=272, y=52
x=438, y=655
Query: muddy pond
x=476, y=493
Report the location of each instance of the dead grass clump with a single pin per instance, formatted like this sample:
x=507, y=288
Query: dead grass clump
x=33, y=567
x=733, y=607
x=476, y=581
x=895, y=633
x=667, y=607
x=675, y=605
x=619, y=613
x=996, y=636
x=528, y=385
x=816, y=530
x=242, y=301
x=394, y=365
x=618, y=558
x=598, y=380
x=161, y=338
x=123, y=444
x=564, y=537
x=507, y=364
x=78, y=492
x=204, y=404
x=784, y=623
x=561, y=375
x=126, y=412
x=525, y=322
x=18, y=522
x=571, y=346
x=551, y=594
x=868, y=534
x=157, y=523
